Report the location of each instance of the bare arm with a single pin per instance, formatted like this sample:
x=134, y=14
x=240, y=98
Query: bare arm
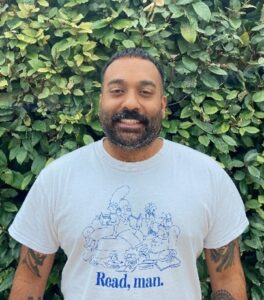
x=226, y=273
x=31, y=275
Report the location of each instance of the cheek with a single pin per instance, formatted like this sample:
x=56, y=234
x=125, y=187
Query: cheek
x=109, y=104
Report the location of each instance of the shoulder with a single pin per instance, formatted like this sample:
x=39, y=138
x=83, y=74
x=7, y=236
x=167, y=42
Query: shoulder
x=72, y=160
x=191, y=157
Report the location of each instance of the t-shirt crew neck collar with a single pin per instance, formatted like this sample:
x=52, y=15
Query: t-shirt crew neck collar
x=143, y=165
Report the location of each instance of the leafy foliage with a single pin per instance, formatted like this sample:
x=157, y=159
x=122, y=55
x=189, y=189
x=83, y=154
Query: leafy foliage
x=51, y=54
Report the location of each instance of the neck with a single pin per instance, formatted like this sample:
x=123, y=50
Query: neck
x=135, y=154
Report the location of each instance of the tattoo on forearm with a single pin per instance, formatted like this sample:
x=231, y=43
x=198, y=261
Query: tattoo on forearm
x=223, y=257
x=33, y=261
x=222, y=295
x=32, y=298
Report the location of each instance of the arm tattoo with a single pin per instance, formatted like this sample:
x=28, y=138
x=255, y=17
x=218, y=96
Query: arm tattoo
x=223, y=257
x=33, y=261
x=32, y=298
x=222, y=295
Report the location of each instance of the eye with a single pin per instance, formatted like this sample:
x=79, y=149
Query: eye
x=146, y=93
x=116, y=92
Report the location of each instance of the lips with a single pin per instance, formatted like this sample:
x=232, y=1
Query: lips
x=129, y=115
x=129, y=121
x=129, y=124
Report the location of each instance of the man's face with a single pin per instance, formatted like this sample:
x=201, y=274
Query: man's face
x=132, y=104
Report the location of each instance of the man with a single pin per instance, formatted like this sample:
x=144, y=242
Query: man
x=132, y=211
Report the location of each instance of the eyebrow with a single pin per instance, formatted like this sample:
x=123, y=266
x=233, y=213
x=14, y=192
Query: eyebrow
x=142, y=82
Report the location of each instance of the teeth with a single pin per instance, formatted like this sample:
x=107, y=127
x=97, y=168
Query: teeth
x=129, y=121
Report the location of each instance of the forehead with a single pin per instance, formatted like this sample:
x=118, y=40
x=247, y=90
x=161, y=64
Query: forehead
x=132, y=70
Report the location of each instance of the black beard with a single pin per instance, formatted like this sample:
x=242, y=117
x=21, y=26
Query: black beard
x=134, y=139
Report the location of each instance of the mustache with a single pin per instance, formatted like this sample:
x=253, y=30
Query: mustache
x=130, y=114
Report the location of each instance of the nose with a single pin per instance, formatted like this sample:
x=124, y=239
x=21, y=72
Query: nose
x=131, y=101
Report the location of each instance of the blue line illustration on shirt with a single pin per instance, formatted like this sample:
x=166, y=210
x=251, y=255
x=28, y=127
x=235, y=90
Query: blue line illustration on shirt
x=124, y=242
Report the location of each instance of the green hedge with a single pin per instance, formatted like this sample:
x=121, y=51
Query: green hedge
x=51, y=54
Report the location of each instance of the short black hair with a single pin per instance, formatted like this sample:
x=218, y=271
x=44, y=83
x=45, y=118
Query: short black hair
x=137, y=53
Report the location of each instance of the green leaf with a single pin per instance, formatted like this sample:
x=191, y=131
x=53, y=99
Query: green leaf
x=239, y=175
x=235, y=22
x=258, y=28
x=2, y=131
x=128, y=44
x=253, y=243
x=68, y=128
x=70, y=145
x=232, y=95
x=39, y=126
x=251, y=129
x=216, y=96
x=229, y=140
x=7, y=176
x=183, y=2
x=166, y=124
x=176, y=11
x=79, y=59
x=26, y=181
x=251, y=155
x=202, y=10
x=60, y=47
x=143, y=21
x=44, y=94
x=9, y=207
x=210, y=109
x=99, y=24
x=122, y=24
x=261, y=199
x=3, y=159
x=260, y=212
x=87, y=139
x=7, y=282
x=86, y=69
x=245, y=38
x=188, y=32
x=216, y=70
x=254, y=171
x=78, y=92
x=21, y=156
x=36, y=63
x=96, y=126
x=210, y=81
x=253, y=204
x=26, y=39
x=219, y=144
x=3, y=84
x=38, y=164
x=204, y=140
x=207, y=127
x=189, y=63
x=258, y=96
x=186, y=112
x=223, y=128
x=43, y=3
x=184, y=133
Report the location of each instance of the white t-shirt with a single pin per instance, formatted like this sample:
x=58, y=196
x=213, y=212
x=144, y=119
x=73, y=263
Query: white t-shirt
x=130, y=230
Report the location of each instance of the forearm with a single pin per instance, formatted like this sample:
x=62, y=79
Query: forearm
x=231, y=289
x=226, y=272
x=31, y=275
x=26, y=291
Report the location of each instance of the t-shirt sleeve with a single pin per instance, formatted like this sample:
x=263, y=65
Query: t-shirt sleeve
x=229, y=220
x=33, y=225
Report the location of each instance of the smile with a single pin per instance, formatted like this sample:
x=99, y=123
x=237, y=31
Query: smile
x=129, y=121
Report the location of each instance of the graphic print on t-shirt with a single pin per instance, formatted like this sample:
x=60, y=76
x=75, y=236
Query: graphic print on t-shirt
x=124, y=241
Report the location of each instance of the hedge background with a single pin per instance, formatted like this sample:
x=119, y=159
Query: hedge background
x=51, y=54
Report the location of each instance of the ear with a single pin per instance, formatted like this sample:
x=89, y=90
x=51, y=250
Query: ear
x=163, y=106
